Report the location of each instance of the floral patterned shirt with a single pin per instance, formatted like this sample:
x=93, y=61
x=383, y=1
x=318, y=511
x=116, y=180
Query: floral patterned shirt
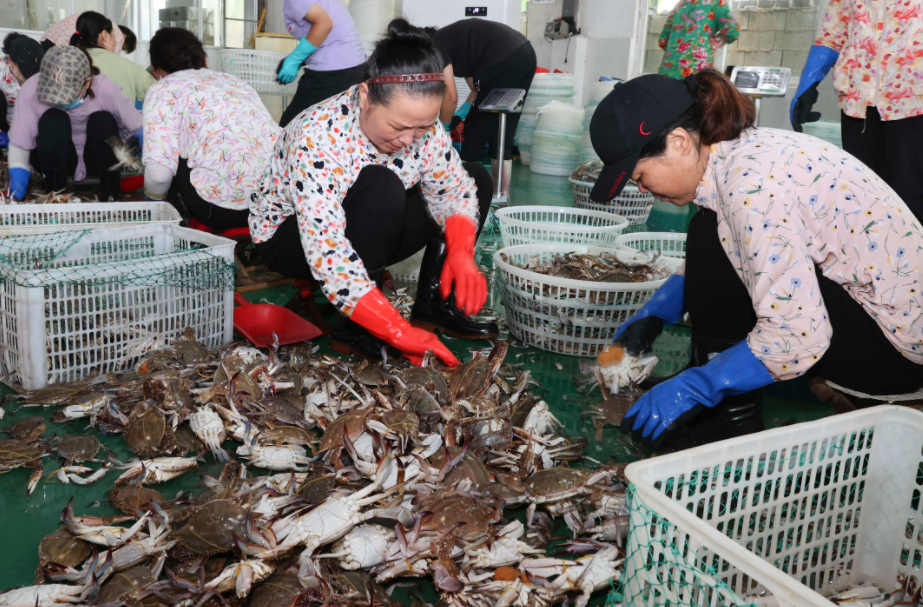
x=218, y=123
x=9, y=86
x=690, y=33
x=880, y=43
x=787, y=202
x=316, y=160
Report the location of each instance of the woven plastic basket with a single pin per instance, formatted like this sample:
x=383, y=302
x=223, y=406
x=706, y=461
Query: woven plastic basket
x=541, y=224
x=258, y=69
x=409, y=269
x=82, y=300
x=568, y=316
x=786, y=517
x=671, y=244
x=39, y=218
x=631, y=203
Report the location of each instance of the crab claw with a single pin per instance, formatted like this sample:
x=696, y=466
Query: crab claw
x=445, y=581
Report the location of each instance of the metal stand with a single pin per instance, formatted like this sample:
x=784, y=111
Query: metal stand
x=499, y=197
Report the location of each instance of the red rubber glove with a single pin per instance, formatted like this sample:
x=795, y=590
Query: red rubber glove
x=378, y=316
x=459, y=267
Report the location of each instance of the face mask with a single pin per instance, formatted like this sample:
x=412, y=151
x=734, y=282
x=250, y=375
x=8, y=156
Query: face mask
x=71, y=105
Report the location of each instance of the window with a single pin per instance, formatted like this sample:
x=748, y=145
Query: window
x=240, y=22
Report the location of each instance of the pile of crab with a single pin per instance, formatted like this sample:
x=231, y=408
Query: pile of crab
x=347, y=481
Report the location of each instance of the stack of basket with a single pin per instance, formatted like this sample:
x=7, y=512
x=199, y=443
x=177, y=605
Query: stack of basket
x=597, y=93
x=94, y=286
x=545, y=89
x=556, y=141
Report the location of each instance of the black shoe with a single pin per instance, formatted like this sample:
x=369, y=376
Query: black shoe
x=734, y=416
x=110, y=185
x=431, y=312
x=346, y=337
x=55, y=180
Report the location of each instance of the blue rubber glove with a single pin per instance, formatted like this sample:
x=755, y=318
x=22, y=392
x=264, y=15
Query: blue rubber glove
x=734, y=371
x=4, y=140
x=820, y=60
x=19, y=183
x=667, y=303
x=462, y=112
x=290, y=64
x=139, y=135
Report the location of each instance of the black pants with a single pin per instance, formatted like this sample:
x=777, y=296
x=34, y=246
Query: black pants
x=55, y=147
x=891, y=149
x=860, y=357
x=215, y=217
x=384, y=222
x=314, y=87
x=514, y=72
x=4, y=125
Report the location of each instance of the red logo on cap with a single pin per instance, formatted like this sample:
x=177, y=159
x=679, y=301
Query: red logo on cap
x=616, y=186
x=641, y=129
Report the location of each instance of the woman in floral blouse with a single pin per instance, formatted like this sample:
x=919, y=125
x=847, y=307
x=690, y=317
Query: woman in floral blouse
x=694, y=31
x=366, y=179
x=800, y=259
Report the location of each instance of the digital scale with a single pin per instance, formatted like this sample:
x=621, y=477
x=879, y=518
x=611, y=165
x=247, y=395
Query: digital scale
x=502, y=102
x=759, y=82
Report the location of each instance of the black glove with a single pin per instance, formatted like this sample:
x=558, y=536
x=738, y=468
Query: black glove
x=638, y=337
x=801, y=112
x=456, y=120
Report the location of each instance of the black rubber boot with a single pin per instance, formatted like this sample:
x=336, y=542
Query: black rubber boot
x=110, y=185
x=347, y=337
x=55, y=180
x=433, y=313
x=734, y=416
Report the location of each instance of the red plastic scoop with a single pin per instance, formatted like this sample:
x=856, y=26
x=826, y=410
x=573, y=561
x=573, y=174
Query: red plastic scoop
x=257, y=322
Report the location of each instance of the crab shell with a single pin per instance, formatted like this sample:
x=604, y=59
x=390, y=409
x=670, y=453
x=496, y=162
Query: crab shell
x=619, y=368
x=364, y=547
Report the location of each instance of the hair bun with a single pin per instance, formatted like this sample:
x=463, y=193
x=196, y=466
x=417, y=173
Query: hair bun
x=400, y=30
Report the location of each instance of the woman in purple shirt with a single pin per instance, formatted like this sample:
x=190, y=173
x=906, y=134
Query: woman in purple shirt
x=328, y=46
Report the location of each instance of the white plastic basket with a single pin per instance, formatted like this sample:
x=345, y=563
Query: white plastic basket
x=568, y=316
x=671, y=244
x=58, y=328
x=631, y=203
x=258, y=69
x=540, y=224
x=41, y=218
x=779, y=512
x=409, y=269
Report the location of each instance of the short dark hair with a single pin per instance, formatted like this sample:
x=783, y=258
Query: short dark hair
x=8, y=41
x=90, y=25
x=404, y=50
x=46, y=44
x=131, y=41
x=174, y=49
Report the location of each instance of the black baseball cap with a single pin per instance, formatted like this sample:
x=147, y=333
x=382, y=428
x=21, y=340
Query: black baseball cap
x=627, y=119
x=27, y=54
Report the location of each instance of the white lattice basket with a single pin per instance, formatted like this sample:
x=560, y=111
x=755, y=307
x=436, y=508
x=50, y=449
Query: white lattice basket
x=537, y=224
x=671, y=244
x=568, y=316
x=101, y=298
x=258, y=69
x=631, y=203
x=40, y=218
x=409, y=269
x=785, y=517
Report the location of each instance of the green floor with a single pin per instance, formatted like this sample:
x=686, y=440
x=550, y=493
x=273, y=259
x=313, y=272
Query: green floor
x=26, y=520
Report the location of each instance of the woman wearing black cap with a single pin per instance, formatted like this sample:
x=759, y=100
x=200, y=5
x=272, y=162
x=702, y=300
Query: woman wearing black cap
x=492, y=55
x=22, y=60
x=366, y=179
x=800, y=259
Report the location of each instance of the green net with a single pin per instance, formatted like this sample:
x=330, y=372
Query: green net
x=807, y=484
x=113, y=257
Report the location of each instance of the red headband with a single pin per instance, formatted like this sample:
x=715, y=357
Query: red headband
x=405, y=78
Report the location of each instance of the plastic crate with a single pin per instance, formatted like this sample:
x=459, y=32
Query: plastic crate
x=568, y=316
x=671, y=244
x=41, y=218
x=100, y=299
x=631, y=203
x=409, y=269
x=541, y=224
x=779, y=512
x=258, y=69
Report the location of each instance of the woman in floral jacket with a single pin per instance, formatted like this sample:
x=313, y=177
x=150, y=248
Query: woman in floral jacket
x=694, y=31
x=800, y=260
